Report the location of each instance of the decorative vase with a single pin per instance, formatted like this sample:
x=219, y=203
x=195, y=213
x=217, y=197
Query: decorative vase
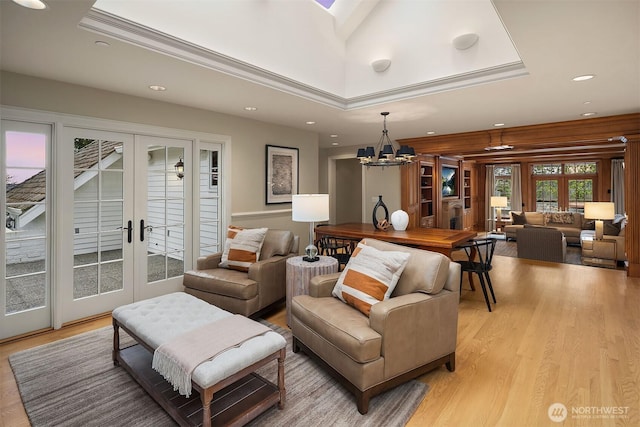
x=400, y=220
x=380, y=224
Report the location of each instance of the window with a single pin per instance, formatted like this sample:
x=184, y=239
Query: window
x=502, y=183
x=563, y=186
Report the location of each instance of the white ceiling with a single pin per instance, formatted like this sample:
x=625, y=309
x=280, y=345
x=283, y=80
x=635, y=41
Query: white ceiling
x=295, y=64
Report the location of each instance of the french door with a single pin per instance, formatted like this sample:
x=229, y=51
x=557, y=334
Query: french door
x=563, y=193
x=25, y=281
x=126, y=226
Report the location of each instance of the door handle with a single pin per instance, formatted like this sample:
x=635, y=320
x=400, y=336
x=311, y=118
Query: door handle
x=142, y=229
x=129, y=229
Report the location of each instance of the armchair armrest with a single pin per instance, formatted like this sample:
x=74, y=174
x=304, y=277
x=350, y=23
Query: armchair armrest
x=321, y=286
x=416, y=329
x=271, y=274
x=209, y=262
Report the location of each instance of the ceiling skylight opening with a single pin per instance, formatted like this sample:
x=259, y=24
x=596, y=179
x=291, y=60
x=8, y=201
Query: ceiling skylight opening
x=325, y=3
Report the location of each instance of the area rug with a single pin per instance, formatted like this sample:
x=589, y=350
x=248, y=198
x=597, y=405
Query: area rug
x=73, y=382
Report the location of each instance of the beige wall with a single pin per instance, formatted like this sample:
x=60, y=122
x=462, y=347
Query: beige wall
x=377, y=181
x=248, y=137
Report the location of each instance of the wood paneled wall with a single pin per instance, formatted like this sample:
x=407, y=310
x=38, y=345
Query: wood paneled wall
x=586, y=139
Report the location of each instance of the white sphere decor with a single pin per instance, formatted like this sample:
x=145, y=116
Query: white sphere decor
x=400, y=220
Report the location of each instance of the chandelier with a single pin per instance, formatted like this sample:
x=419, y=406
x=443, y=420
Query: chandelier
x=388, y=154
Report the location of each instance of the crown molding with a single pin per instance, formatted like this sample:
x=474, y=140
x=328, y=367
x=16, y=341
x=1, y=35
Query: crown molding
x=127, y=31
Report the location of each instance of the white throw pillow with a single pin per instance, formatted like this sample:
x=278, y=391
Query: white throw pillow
x=370, y=276
x=242, y=247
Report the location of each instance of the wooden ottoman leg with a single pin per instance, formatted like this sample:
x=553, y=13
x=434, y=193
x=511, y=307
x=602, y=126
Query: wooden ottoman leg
x=116, y=343
x=206, y=397
x=283, y=392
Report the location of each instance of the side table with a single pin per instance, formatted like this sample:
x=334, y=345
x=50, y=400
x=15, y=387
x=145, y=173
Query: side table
x=300, y=272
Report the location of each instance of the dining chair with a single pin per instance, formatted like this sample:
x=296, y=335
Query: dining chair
x=479, y=257
x=340, y=249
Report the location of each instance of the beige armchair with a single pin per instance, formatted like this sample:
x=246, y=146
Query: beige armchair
x=405, y=336
x=248, y=293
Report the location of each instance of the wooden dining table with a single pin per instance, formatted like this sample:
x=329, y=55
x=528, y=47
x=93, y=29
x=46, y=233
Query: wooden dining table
x=432, y=239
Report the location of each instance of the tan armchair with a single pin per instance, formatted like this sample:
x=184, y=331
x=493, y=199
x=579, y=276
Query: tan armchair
x=405, y=336
x=248, y=293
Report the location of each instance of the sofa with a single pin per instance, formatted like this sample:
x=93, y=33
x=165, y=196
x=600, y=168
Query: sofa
x=251, y=289
x=570, y=224
x=412, y=332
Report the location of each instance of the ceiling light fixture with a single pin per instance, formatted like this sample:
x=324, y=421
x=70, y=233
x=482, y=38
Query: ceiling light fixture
x=431, y=132
x=31, y=4
x=380, y=65
x=583, y=77
x=498, y=147
x=465, y=41
x=310, y=122
x=250, y=108
x=590, y=113
x=157, y=88
x=498, y=124
x=386, y=149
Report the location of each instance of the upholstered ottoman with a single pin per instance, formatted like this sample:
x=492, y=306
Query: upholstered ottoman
x=157, y=321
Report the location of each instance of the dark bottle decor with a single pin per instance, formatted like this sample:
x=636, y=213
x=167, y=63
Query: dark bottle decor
x=381, y=224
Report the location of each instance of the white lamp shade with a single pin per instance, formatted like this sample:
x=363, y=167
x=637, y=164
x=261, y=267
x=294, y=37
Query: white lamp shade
x=599, y=210
x=310, y=207
x=498, y=202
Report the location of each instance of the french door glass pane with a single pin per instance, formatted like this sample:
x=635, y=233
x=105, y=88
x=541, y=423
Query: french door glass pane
x=209, y=201
x=580, y=191
x=546, y=195
x=98, y=217
x=165, y=214
x=25, y=263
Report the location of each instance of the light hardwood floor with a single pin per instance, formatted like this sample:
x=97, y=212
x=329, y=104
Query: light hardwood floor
x=560, y=333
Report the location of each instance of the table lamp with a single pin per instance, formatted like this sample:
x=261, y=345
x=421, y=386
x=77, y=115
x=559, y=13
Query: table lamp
x=310, y=208
x=498, y=202
x=599, y=211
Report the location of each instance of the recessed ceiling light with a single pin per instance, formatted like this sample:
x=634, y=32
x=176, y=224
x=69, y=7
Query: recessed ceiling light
x=431, y=132
x=335, y=143
x=250, y=108
x=587, y=102
x=157, y=88
x=588, y=114
x=32, y=4
x=101, y=43
x=311, y=122
x=498, y=124
x=583, y=78
x=333, y=135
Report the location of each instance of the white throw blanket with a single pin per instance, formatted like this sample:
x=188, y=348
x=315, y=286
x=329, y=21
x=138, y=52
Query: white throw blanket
x=177, y=359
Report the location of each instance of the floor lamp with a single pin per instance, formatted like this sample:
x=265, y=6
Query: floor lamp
x=599, y=211
x=498, y=202
x=310, y=208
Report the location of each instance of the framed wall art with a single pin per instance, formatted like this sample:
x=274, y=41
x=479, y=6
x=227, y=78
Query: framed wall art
x=282, y=174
